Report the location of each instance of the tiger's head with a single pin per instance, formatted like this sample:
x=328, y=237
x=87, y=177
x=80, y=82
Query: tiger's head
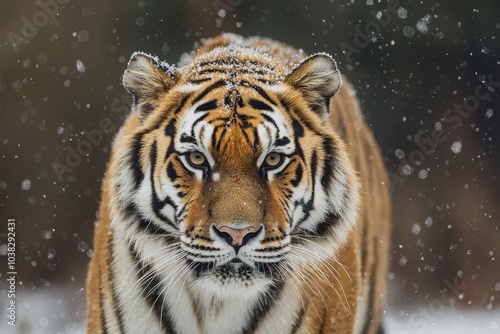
x=231, y=164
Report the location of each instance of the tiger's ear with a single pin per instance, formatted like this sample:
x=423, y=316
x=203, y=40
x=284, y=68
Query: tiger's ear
x=146, y=78
x=318, y=78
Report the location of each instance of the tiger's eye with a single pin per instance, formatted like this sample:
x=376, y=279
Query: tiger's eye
x=273, y=159
x=196, y=158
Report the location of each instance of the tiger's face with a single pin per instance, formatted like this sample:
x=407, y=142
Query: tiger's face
x=234, y=164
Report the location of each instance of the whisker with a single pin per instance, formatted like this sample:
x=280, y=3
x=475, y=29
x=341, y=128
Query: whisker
x=335, y=274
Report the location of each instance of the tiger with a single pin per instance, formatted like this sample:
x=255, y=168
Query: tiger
x=245, y=193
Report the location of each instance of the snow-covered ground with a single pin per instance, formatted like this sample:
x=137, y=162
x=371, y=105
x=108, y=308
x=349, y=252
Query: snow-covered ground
x=442, y=321
x=62, y=310
x=46, y=310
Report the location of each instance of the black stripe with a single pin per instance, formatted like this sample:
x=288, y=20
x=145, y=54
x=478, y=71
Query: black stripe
x=212, y=63
x=262, y=308
x=146, y=109
x=259, y=105
x=230, y=71
x=239, y=100
x=135, y=159
x=247, y=139
x=307, y=123
x=157, y=203
x=256, y=63
x=299, y=318
x=298, y=176
x=328, y=164
x=170, y=132
x=314, y=169
x=201, y=118
x=151, y=292
x=244, y=120
x=323, y=321
x=309, y=205
x=298, y=132
x=270, y=120
x=183, y=102
x=259, y=90
x=282, y=141
x=208, y=89
x=214, y=138
x=135, y=154
x=314, y=166
x=270, y=249
x=171, y=173
x=170, y=150
x=228, y=102
x=183, y=210
x=118, y=311
x=104, y=327
x=231, y=61
x=147, y=225
x=170, y=128
x=265, y=80
x=324, y=227
x=255, y=139
x=210, y=105
x=185, y=138
x=197, y=81
x=150, y=227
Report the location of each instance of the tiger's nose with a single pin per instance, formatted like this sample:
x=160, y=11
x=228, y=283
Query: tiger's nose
x=237, y=237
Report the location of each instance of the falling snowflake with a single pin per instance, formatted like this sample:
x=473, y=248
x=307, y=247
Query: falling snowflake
x=26, y=185
x=416, y=228
x=402, y=13
x=400, y=154
x=456, y=147
x=80, y=67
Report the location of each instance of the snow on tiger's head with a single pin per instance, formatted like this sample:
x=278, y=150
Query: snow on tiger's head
x=234, y=157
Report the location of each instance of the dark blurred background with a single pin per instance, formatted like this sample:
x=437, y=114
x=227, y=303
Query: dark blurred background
x=61, y=63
